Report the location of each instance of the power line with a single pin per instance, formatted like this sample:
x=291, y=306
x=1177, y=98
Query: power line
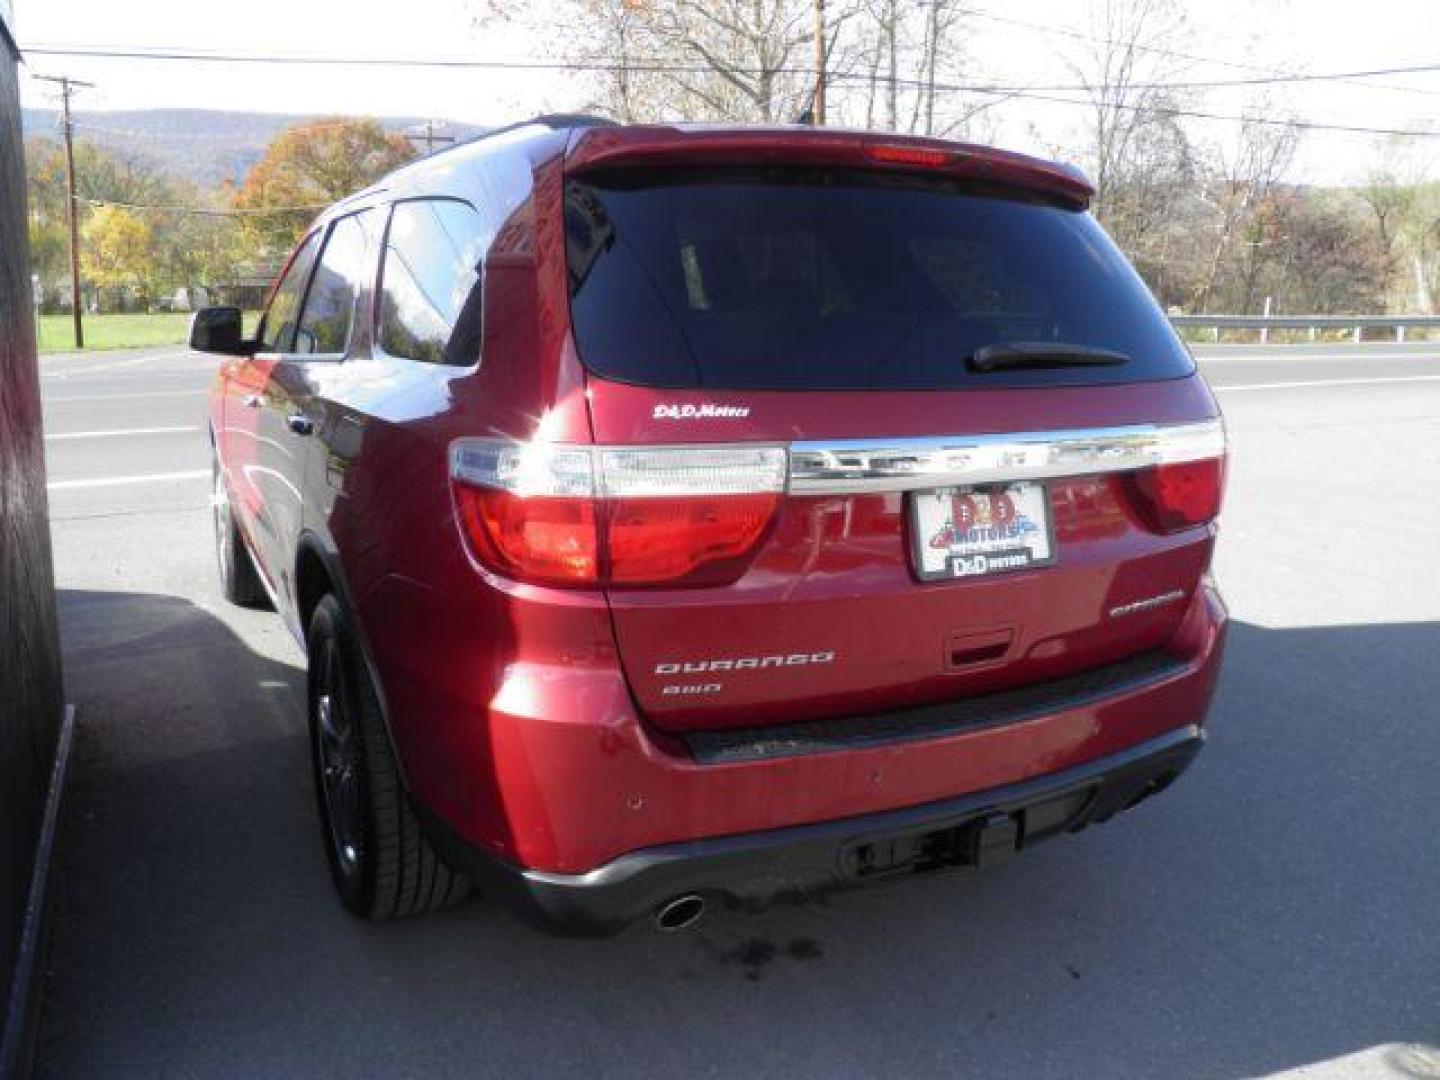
x=1269, y=121
x=199, y=136
x=1031, y=93
x=203, y=211
x=1220, y=84
x=679, y=67
x=1157, y=50
x=207, y=56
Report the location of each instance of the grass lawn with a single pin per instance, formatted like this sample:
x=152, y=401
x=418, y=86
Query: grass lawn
x=114, y=331
x=135, y=331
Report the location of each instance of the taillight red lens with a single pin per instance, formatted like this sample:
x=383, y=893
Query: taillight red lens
x=539, y=539
x=624, y=516
x=647, y=541
x=653, y=540
x=1181, y=495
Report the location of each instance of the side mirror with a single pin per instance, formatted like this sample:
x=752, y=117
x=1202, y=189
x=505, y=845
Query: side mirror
x=218, y=330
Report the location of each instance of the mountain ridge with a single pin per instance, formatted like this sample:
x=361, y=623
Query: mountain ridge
x=208, y=146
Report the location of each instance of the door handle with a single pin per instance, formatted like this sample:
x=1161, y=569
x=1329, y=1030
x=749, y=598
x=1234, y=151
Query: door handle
x=301, y=424
x=252, y=401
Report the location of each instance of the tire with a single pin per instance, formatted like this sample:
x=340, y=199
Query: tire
x=239, y=580
x=381, y=864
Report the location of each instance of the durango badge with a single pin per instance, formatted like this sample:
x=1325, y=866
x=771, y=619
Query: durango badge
x=744, y=663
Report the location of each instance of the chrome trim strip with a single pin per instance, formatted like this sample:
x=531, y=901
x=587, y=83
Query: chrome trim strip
x=1150, y=603
x=631, y=471
x=878, y=465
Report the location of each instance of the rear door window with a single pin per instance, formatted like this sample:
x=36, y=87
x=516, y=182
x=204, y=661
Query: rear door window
x=330, y=304
x=800, y=279
x=431, y=291
x=277, y=328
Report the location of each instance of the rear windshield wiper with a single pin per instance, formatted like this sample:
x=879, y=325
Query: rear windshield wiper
x=1010, y=355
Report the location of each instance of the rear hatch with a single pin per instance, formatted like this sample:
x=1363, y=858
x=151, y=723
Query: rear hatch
x=921, y=431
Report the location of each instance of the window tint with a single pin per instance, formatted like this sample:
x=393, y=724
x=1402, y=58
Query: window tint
x=330, y=303
x=431, y=294
x=806, y=279
x=277, y=329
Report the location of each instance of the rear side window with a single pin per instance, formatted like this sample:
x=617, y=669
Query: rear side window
x=431, y=293
x=330, y=303
x=277, y=329
x=798, y=279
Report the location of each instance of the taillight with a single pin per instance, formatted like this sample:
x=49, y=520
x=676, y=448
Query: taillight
x=536, y=538
x=1185, y=487
x=667, y=539
x=596, y=516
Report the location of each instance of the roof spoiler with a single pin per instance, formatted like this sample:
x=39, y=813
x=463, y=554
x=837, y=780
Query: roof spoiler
x=598, y=149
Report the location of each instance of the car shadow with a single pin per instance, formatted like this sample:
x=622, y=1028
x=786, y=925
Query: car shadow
x=1275, y=909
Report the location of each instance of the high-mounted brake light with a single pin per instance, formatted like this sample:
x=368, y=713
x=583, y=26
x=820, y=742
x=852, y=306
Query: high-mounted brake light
x=909, y=155
x=593, y=516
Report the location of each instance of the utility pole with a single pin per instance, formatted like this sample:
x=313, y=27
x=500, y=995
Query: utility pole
x=818, y=109
x=430, y=138
x=67, y=89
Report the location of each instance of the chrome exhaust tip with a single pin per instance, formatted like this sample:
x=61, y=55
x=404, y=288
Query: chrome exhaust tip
x=681, y=913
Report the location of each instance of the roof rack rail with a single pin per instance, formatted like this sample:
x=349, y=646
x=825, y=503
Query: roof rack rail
x=554, y=121
x=572, y=120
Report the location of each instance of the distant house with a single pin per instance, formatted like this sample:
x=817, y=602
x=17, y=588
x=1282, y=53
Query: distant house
x=247, y=289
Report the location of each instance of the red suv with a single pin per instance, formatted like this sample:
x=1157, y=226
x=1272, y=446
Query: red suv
x=673, y=514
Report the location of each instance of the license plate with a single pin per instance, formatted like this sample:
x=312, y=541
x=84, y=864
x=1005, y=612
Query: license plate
x=972, y=531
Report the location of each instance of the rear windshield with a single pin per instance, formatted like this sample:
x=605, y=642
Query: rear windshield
x=798, y=279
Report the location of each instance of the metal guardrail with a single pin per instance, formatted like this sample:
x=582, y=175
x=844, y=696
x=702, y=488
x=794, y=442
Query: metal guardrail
x=1356, y=324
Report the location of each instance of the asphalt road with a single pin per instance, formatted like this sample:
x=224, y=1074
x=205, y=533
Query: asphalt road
x=1278, y=910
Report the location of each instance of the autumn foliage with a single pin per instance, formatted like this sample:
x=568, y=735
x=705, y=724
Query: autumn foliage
x=118, y=249
x=310, y=166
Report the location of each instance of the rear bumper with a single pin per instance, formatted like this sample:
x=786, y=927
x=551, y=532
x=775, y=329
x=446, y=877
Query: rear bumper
x=556, y=772
x=753, y=868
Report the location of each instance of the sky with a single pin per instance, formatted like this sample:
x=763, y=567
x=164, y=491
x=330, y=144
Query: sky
x=1230, y=38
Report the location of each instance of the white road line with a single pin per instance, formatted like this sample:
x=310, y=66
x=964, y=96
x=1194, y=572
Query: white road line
x=173, y=359
x=114, y=365
x=79, y=381
x=1298, y=359
x=198, y=392
x=116, y=481
x=112, y=434
x=1323, y=382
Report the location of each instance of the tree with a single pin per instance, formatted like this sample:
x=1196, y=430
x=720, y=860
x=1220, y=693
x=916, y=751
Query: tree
x=1404, y=209
x=310, y=166
x=101, y=176
x=753, y=61
x=1325, y=259
x=942, y=21
x=47, y=222
x=1239, y=188
x=902, y=47
x=1425, y=254
x=1140, y=156
x=718, y=60
x=199, y=249
x=117, y=250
